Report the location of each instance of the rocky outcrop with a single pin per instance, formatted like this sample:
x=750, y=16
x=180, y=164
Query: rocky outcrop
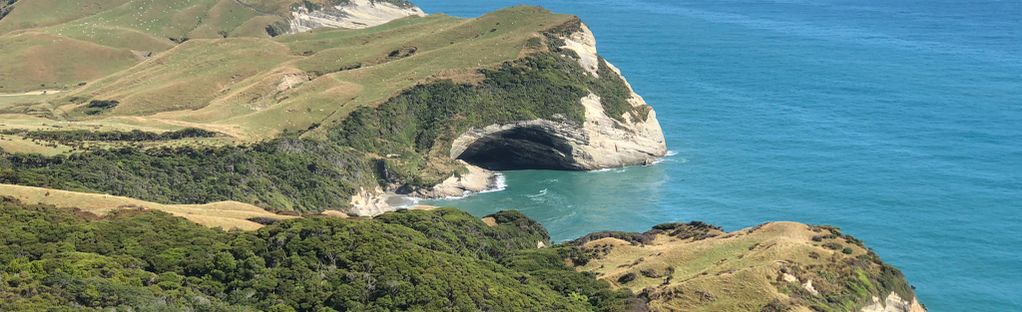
x=369, y=203
x=6, y=6
x=894, y=303
x=473, y=180
x=601, y=141
x=355, y=14
x=376, y=201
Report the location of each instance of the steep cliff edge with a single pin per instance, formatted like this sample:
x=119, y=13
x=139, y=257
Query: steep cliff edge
x=780, y=266
x=608, y=136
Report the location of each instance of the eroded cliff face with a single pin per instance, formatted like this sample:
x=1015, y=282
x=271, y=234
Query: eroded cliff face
x=601, y=141
x=355, y=14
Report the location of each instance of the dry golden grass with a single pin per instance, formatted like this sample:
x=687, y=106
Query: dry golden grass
x=16, y=144
x=226, y=215
x=730, y=272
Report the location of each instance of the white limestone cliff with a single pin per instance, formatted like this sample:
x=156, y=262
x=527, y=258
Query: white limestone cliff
x=602, y=141
x=355, y=14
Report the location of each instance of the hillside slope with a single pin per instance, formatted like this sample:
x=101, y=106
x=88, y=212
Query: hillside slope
x=56, y=259
x=432, y=260
x=772, y=267
x=335, y=118
x=66, y=43
x=226, y=215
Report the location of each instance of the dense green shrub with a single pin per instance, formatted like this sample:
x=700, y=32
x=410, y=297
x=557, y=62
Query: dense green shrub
x=96, y=107
x=282, y=174
x=55, y=259
x=69, y=136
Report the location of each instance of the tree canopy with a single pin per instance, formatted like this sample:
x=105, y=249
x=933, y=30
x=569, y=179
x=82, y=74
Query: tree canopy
x=443, y=260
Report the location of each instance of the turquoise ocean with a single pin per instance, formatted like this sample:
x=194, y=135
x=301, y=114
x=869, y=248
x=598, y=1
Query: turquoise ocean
x=898, y=121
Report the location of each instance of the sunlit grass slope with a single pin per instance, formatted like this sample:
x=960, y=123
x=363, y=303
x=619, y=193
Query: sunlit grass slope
x=62, y=43
x=226, y=215
x=264, y=86
x=249, y=88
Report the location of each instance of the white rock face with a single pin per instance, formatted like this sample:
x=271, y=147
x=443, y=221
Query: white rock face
x=356, y=14
x=370, y=203
x=584, y=44
x=894, y=303
x=476, y=180
x=601, y=141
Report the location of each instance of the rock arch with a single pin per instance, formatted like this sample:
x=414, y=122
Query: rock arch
x=519, y=147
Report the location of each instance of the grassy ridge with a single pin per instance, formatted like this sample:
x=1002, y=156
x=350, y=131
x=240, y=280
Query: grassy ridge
x=257, y=88
x=149, y=261
x=303, y=174
x=325, y=113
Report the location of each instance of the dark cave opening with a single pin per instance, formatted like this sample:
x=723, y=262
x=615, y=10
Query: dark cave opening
x=520, y=148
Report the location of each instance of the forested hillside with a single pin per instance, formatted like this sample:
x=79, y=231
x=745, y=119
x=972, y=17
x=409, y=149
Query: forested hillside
x=57, y=259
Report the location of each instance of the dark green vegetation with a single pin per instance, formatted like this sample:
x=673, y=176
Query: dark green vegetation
x=283, y=174
x=844, y=285
x=97, y=107
x=70, y=136
x=56, y=259
x=301, y=174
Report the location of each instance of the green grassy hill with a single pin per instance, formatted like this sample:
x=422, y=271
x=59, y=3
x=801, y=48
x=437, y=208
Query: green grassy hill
x=303, y=121
x=68, y=42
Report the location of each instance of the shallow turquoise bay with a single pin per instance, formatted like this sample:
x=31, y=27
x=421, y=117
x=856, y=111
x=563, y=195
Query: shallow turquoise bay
x=898, y=121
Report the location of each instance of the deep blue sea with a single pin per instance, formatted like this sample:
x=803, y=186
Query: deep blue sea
x=898, y=121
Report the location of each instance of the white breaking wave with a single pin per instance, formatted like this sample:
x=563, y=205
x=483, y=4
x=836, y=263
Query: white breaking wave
x=537, y=195
x=499, y=184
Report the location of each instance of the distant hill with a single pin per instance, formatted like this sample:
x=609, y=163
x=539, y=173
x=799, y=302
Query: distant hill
x=67, y=42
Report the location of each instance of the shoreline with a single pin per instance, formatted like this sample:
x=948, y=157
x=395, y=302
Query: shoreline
x=474, y=182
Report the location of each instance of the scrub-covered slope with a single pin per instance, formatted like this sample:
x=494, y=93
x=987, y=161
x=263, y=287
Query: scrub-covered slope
x=334, y=118
x=445, y=260
x=428, y=260
x=772, y=267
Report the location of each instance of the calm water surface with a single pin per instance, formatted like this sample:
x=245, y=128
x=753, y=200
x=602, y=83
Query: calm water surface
x=899, y=121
